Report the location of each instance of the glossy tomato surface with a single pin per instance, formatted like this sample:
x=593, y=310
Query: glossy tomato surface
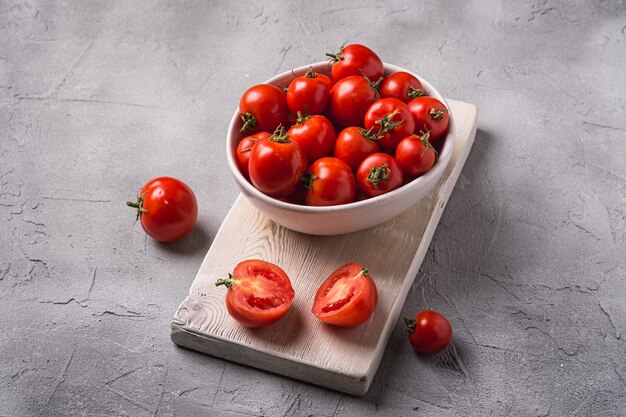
x=259, y=293
x=391, y=120
x=315, y=134
x=330, y=182
x=276, y=164
x=415, y=155
x=378, y=174
x=347, y=297
x=167, y=208
x=356, y=59
x=349, y=100
x=354, y=144
x=243, y=150
x=429, y=331
x=262, y=107
x=401, y=85
x=308, y=94
x=430, y=115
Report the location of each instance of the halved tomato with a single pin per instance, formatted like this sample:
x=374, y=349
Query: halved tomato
x=259, y=293
x=347, y=297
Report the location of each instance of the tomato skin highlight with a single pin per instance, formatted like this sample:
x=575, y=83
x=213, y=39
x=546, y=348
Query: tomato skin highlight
x=349, y=100
x=429, y=331
x=430, y=115
x=259, y=293
x=356, y=59
x=315, y=134
x=415, y=155
x=244, y=148
x=332, y=183
x=167, y=208
x=308, y=93
x=378, y=174
x=347, y=298
x=391, y=120
x=401, y=85
x=263, y=107
x=353, y=145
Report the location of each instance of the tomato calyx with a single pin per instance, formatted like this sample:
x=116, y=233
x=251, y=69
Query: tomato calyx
x=308, y=179
x=138, y=205
x=280, y=135
x=437, y=114
x=249, y=121
x=373, y=84
x=387, y=124
x=415, y=92
x=378, y=174
x=424, y=138
x=369, y=134
x=411, y=324
x=300, y=118
x=310, y=73
x=228, y=282
x=336, y=57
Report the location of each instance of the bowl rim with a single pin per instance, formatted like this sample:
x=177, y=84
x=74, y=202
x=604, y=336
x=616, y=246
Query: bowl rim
x=431, y=176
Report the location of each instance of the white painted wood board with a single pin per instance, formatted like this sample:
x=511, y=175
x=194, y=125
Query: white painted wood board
x=299, y=345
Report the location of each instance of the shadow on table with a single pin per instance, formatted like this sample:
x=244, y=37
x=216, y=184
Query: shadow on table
x=198, y=240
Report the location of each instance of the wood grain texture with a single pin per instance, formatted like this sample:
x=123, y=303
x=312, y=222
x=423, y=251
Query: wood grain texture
x=300, y=346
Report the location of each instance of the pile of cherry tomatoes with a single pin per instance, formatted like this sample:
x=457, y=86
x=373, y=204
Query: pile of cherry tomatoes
x=388, y=129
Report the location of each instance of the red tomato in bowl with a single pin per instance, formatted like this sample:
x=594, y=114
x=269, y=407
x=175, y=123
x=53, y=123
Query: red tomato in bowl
x=356, y=59
x=259, y=293
x=429, y=331
x=392, y=121
x=354, y=144
x=347, y=297
x=243, y=150
x=276, y=164
x=262, y=107
x=308, y=93
x=401, y=85
x=167, y=208
x=349, y=100
x=315, y=134
x=430, y=115
x=330, y=181
x=378, y=174
x=415, y=155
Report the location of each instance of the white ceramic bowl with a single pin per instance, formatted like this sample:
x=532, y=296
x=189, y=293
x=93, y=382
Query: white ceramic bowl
x=345, y=218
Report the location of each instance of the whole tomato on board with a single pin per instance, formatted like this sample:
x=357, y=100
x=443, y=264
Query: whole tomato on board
x=349, y=100
x=329, y=182
x=276, y=164
x=243, y=150
x=430, y=115
x=259, y=293
x=356, y=59
x=262, y=107
x=347, y=297
x=378, y=174
x=392, y=121
x=429, y=331
x=415, y=155
x=315, y=134
x=354, y=144
x=167, y=208
x=401, y=85
x=309, y=93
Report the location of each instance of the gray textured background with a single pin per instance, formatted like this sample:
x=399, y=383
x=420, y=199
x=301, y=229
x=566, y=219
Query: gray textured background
x=527, y=263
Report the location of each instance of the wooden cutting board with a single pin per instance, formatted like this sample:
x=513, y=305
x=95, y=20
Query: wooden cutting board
x=299, y=345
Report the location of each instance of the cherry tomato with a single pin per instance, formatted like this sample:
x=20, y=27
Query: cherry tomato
x=354, y=144
x=430, y=115
x=401, y=85
x=243, y=151
x=262, y=108
x=378, y=174
x=415, y=155
x=349, y=100
x=315, y=134
x=356, y=59
x=329, y=181
x=276, y=164
x=259, y=293
x=392, y=121
x=308, y=93
x=347, y=297
x=167, y=208
x=429, y=331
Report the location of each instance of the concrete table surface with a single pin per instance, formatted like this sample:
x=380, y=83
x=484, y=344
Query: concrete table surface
x=528, y=264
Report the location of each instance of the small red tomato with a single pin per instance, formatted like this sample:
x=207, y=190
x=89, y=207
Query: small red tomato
x=243, y=151
x=415, y=155
x=429, y=331
x=329, y=182
x=430, y=115
x=403, y=86
x=347, y=297
x=259, y=293
x=391, y=120
x=167, y=208
x=356, y=59
x=354, y=144
x=315, y=134
x=349, y=100
x=308, y=93
x=276, y=164
x=378, y=174
x=262, y=107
